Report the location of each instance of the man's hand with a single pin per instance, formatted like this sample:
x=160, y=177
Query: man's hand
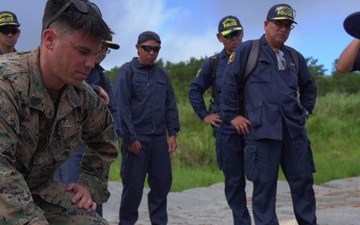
x=104, y=95
x=172, y=144
x=241, y=124
x=82, y=197
x=213, y=119
x=134, y=147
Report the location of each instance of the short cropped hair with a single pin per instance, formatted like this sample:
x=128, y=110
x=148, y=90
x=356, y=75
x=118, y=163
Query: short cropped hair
x=89, y=24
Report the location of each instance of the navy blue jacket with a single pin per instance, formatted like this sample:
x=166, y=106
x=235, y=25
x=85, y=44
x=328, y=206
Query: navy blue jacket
x=202, y=82
x=146, y=101
x=356, y=65
x=271, y=96
x=97, y=78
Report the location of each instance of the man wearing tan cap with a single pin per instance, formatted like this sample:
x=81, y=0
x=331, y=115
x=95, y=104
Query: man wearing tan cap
x=9, y=32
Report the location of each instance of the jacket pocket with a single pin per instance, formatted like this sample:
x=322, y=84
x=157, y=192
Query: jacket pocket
x=54, y=192
x=63, y=149
x=254, y=115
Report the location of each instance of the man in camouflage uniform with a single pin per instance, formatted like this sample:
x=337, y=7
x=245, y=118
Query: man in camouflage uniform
x=46, y=113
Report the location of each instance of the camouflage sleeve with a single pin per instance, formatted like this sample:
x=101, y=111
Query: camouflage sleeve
x=16, y=203
x=100, y=137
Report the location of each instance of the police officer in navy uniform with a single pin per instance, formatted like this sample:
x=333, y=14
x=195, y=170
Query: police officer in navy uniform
x=9, y=32
x=148, y=114
x=229, y=144
x=275, y=115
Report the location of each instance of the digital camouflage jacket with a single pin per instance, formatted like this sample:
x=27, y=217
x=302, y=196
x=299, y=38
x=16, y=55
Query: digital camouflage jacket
x=36, y=138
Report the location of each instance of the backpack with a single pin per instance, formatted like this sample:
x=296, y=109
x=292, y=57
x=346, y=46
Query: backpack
x=254, y=56
x=214, y=62
x=251, y=63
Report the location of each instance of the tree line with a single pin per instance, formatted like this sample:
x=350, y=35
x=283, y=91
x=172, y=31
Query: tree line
x=182, y=73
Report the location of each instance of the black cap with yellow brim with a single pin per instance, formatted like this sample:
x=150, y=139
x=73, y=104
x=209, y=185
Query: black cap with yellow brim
x=229, y=24
x=281, y=12
x=111, y=44
x=8, y=18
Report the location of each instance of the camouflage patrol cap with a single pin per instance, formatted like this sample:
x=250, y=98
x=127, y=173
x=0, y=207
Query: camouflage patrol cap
x=8, y=18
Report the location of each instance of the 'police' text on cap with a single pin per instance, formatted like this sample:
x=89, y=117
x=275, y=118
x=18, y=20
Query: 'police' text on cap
x=281, y=12
x=8, y=18
x=229, y=24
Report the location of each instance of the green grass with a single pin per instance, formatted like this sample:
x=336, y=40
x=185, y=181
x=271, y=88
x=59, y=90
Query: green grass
x=184, y=177
x=333, y=129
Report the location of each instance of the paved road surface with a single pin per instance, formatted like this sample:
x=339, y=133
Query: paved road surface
x=338, y=203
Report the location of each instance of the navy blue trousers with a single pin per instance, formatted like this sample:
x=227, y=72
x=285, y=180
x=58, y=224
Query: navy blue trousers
x=153, y=161
x=69, y=171
x=232, y=154
x=262, y=160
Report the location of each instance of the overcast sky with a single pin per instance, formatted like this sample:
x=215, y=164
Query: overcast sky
x=188, y=27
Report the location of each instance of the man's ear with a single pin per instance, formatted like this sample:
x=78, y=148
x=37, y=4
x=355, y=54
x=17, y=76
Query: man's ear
x=218, y=35
x=49, y=36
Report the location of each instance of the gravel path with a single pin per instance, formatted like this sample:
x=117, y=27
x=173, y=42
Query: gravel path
x=338, y=203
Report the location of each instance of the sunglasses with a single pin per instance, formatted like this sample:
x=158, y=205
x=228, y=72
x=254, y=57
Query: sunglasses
x=9, y=30
x=82, y=6
x=148, y=48
x=233, y=34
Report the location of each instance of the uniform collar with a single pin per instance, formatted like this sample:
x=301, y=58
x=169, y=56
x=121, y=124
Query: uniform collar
x=223, y=54
x=138, y=65
x=39, y=97
x=99, y=68
x=3, y=53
